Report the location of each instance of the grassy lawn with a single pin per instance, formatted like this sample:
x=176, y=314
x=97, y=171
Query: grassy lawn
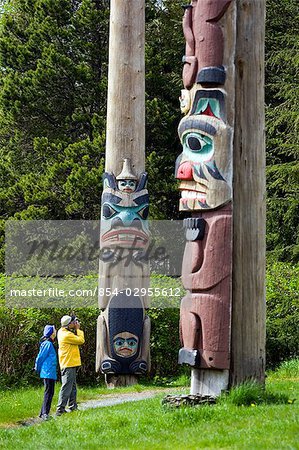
x=248, y=418
x=25, y=403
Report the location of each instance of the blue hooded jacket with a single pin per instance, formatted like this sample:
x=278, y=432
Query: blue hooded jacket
x=46, y=360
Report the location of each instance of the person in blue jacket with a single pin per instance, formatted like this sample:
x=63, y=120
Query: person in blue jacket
x=46, y=367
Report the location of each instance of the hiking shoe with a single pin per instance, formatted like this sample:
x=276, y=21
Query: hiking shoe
x=45, y=417
x=59, y=413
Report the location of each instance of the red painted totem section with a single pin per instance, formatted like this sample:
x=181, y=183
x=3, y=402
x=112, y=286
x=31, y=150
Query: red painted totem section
x=204, y=37
x=204, y=169
x=205, y=311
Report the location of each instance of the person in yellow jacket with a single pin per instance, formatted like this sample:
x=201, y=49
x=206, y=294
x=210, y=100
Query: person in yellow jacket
x=69, y=338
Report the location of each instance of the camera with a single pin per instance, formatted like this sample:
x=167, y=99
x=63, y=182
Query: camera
x=75, y=319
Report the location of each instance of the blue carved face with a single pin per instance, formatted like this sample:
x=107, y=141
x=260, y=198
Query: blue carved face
x=124, y=215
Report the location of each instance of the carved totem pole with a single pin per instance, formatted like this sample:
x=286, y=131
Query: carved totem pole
x=222, y=183
x=204, y=170
x=123, y=328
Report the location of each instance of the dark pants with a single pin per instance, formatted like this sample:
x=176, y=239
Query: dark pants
x=68, y=391
x=48, y=395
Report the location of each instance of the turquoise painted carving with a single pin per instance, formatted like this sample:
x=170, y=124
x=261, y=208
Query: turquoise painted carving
x=125, y=208
x=123, y=327
x=204, y=166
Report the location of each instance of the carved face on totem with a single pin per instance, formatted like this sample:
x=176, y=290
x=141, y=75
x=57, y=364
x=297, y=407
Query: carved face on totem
x=128, y=186
x=204, y=167
x=125, y=344
x=185, y=101
x=125, y=208
x=125, y=325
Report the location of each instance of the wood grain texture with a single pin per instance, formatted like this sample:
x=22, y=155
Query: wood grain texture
x=248, y=309
x=113, y=381
x=208, y=382
x=126, y=87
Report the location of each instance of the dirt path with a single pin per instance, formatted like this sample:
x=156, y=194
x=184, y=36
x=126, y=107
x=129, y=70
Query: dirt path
x=110, y=399
x=103, y=401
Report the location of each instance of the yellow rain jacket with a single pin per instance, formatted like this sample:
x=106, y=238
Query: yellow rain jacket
x=68, y=352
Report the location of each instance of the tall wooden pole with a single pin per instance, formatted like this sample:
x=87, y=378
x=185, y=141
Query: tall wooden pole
x=123, y=329
x=248, y=307
x=126, y=86
x=222, y=182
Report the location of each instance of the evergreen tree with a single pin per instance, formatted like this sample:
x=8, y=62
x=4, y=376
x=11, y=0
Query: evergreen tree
x=282, y=120
x=53, y=56
x=53, y=89
x=164, y=50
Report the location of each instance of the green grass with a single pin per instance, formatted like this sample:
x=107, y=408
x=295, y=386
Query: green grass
x=253, y=394
x=287, y=370
x=25, y=403
x=246, y=418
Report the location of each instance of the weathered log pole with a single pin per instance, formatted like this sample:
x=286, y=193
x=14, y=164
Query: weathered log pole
x=249, y=215
x=125, y=136
x=123, y=328
x=222, y=183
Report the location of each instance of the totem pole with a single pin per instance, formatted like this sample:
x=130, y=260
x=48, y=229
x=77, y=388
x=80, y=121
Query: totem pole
x=205, y=172
x=123, y=330
x=222, y=184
